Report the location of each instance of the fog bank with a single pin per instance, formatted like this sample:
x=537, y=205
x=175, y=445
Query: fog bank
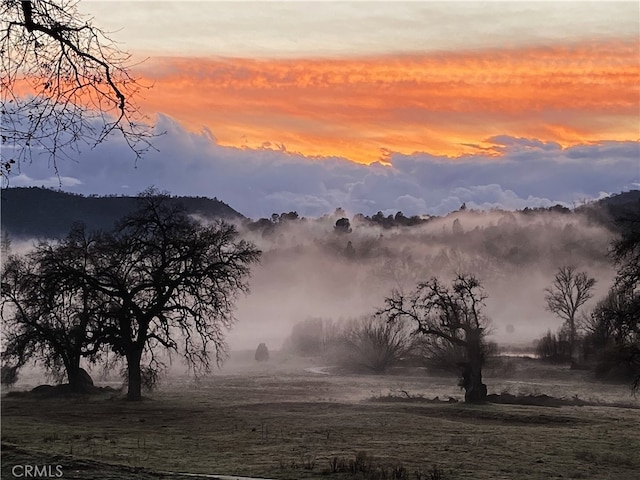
x=310, y=270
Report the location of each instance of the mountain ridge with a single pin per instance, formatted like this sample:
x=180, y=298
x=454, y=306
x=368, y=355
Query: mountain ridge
x=42, y=212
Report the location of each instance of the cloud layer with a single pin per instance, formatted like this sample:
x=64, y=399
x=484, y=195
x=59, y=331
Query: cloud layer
x=513, y=173
x=446, y=103
x=270, y=29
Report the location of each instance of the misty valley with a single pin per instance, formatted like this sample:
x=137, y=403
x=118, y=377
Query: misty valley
x=162, y=337
x=428, y=267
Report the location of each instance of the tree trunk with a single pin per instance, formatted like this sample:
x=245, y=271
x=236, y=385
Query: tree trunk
x=74, y=376
x=474, y=390
x=572, y=338
x=134, y=391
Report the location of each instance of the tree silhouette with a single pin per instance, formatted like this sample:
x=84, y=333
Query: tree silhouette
x=49, y=316
x=626, y=251
x=452, y=316
x=343, y=225
x=64, y=83
x=569, y=291
x=171, y=283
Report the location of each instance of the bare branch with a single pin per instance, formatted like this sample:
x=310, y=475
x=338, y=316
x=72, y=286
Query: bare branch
x=64, y=83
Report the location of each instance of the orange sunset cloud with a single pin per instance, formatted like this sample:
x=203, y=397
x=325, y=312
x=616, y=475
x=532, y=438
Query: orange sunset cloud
x=446, y=103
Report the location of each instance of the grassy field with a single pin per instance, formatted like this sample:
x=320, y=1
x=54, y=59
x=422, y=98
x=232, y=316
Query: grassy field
x=278, y=420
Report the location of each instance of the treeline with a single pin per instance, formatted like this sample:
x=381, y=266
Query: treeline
x=41, y=212
x=472, y=241
x=605, y=211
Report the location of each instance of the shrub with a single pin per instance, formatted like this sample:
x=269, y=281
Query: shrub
x=262, y=353
x=372, y=343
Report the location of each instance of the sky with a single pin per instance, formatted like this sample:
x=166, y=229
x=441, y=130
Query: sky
x=374, y=106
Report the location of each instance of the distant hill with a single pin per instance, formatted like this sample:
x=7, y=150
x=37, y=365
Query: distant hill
x=614, y=211
x=40, y=212
x=625, y=200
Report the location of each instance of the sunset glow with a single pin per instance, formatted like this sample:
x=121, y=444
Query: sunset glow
x=412, y=106
x=360, y=108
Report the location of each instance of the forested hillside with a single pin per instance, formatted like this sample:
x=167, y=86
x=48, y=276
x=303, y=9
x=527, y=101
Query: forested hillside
x=40, y=212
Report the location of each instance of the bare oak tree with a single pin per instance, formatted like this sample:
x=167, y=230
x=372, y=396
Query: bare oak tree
x=569, y=291
x=452, y=315
x=64, y=83
x=172, y=284
x=48, y=316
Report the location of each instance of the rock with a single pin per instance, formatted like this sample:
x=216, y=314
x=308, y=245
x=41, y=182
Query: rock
x=43, y=389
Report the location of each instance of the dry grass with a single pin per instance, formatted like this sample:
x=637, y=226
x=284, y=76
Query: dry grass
x=278, y=421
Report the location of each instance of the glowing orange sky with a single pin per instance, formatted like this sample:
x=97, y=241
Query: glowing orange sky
x=360, y=108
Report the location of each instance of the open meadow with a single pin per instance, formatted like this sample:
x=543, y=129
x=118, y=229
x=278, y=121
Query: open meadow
x=284, y=419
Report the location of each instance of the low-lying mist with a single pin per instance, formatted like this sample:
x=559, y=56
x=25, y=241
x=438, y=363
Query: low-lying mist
x=310, y=269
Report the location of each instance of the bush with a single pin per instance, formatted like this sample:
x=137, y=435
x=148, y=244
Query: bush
x=441, y=357
x=372, y=343
x=437, y=355
x=262, y=353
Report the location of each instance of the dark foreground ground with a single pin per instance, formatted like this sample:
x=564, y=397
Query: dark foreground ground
x=281, y=421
